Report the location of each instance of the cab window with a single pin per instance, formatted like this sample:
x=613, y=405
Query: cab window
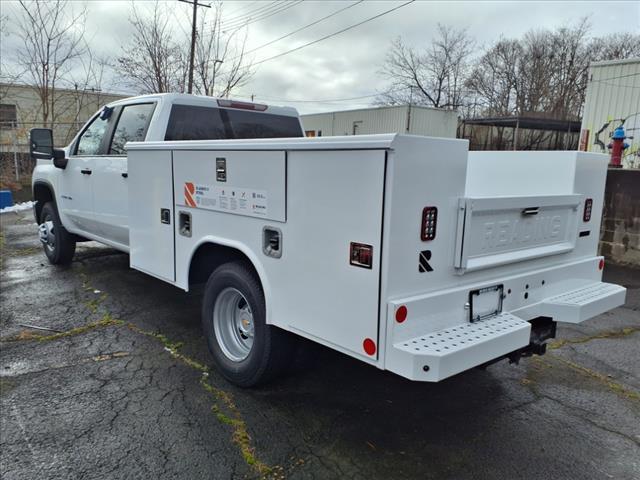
x=90, y=142
x=132, y=126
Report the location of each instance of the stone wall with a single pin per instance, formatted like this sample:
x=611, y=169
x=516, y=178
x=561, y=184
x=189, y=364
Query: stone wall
x=620, y=231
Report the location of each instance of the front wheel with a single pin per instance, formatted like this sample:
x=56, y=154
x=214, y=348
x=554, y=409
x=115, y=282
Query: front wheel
x=245, y=349
x=59, y=245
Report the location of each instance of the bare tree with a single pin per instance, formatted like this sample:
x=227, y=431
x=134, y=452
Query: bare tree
x=433, y=76
x=221, y=63
x=156, y=59
x=152, y=61
x=52, y=38
x=495, y=78
x=616, y=46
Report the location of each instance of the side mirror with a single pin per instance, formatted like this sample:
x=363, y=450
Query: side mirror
x=41, y=143
x=60, y=160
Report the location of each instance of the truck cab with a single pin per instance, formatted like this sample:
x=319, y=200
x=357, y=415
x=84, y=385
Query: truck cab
x=89, y=187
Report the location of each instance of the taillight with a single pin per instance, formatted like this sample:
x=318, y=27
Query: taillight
x=361, y=255
x=586, y=215
x=429, y=222
x=601, y=264
x=242, y=105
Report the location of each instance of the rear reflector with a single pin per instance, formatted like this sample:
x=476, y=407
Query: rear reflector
x=586, y=215
x=361, y=255
x=401, y=314
x=429, y=222
x=369, y=346
x=242, y=105
x=601, y=264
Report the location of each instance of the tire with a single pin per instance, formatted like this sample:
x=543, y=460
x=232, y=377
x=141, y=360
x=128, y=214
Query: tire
x=59, y=245
x=246, y=350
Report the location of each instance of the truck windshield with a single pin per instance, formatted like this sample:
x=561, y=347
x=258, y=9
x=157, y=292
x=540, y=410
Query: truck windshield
x=187, y=122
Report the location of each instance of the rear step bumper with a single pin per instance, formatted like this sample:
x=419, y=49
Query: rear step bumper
x=437, y=355
x=580, y=304
x=434, y=356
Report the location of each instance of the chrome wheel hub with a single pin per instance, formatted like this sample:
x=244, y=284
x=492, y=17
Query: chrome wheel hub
x=233, y=324
x=47, y=234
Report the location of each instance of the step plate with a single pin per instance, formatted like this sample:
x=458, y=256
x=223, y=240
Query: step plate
x=583, y=303
x=455, y=349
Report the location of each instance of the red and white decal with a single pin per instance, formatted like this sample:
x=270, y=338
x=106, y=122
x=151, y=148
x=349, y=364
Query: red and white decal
x=189, y=191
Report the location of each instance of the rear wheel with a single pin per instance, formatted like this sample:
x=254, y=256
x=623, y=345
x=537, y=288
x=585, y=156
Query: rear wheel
x=59, y=245
x=245, y=349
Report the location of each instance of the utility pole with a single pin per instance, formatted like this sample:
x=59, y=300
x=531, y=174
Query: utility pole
x=409, y=108
x=192, y=53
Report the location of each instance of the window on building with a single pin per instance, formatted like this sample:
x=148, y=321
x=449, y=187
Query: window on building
x=132, y=126
x=8, y=116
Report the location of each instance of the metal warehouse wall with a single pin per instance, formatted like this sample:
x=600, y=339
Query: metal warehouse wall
x=421, y=120
x=613, y=92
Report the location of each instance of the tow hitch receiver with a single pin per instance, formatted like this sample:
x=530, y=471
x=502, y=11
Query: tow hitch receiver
x=542, y=329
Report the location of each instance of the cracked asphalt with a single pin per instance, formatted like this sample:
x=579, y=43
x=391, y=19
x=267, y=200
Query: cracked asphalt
x=119, y=387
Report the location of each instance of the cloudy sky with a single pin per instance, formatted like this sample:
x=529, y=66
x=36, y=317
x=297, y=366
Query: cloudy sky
x=347, y=65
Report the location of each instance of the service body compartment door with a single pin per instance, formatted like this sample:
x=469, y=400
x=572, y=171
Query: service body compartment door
x=151, y=217
x=496, y=231
x=335, y=199
x=247, y=183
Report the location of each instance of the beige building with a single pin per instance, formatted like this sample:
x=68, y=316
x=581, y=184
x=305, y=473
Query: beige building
x=412, y=119
x=21, y=110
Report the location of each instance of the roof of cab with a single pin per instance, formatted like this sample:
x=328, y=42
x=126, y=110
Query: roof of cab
x=200, y=100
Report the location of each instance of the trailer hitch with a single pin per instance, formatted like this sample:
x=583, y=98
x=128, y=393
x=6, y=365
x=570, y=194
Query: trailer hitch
x=542, y=329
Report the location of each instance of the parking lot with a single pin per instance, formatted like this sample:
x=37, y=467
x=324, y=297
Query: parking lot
x=119, y=386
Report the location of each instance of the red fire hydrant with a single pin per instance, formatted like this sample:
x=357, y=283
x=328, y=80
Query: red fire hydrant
x=617, y=146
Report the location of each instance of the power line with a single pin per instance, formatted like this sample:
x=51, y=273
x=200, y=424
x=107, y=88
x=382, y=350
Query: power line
x=264, y=15
x=244, y=7
x=333, y=34
x=302, y=28
x=265, y=6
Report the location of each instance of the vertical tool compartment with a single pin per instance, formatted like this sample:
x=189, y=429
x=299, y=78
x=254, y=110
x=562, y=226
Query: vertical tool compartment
x=151, y=213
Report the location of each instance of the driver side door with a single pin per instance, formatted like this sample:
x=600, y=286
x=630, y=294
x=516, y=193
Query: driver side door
x=75, y=182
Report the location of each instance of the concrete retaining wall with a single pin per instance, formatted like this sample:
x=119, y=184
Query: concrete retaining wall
x=620, y=232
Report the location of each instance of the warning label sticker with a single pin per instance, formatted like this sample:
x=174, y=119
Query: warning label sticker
x=244, y=201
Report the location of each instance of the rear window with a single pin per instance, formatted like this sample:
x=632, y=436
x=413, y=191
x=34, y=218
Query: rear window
x=246, y=124
x=188, y=122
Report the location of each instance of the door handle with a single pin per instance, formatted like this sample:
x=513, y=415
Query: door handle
x=86, y=171
x=124, y=174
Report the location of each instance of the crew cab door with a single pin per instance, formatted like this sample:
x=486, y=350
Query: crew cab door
x=75, y=185
x=110, y=192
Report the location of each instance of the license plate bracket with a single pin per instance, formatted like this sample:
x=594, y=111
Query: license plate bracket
x=485, y=302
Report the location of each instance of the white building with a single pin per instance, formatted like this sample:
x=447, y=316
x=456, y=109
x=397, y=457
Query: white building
x=410, y=119
x=613, y=93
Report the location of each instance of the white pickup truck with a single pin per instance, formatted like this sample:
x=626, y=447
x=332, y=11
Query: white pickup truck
x=409, y=253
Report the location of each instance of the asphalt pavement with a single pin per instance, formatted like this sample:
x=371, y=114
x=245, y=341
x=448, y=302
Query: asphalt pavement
x=116, y=383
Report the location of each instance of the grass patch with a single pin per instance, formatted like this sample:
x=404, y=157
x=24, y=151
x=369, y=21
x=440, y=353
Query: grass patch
x=610, y=384
x=106, y=321
x=610, y=334
x=233, y=418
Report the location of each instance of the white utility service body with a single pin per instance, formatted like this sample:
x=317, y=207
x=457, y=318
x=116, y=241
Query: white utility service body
x=409, y=253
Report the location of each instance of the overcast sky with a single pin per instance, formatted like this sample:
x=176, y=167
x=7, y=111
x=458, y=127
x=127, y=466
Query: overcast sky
x=347, y=65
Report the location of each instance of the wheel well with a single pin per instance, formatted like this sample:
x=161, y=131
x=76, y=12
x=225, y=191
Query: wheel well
x=210, y=256
x=41, y=194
